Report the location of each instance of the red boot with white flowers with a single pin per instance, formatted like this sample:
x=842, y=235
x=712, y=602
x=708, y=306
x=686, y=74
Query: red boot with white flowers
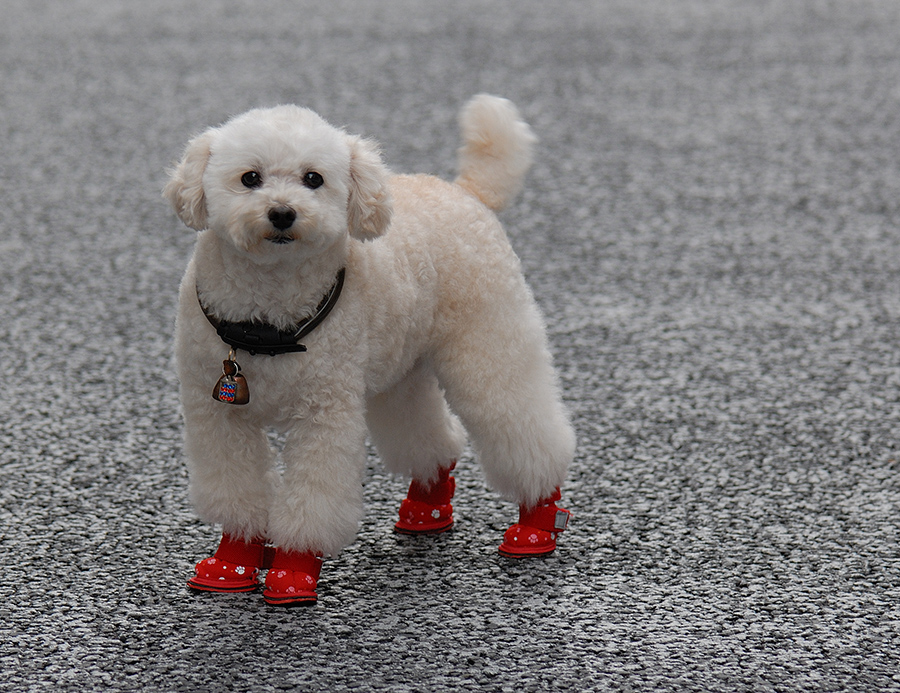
x=292, y=578
x=426, y=508
x=233, y=568
x=537, y=529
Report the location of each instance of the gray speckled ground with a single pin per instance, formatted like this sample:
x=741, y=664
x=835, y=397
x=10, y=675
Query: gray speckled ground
x=712, y=230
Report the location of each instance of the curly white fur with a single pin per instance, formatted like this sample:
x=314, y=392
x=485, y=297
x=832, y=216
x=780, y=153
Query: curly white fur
x=436, y=333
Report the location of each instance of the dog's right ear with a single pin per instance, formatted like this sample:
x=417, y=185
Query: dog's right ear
x=184, y=191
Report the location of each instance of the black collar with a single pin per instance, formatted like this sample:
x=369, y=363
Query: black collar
x=262, y=338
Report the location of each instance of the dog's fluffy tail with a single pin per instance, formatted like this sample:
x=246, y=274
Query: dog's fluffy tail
x=496, y=151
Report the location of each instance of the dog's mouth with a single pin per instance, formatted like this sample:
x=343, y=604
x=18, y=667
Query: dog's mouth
x=280, y=238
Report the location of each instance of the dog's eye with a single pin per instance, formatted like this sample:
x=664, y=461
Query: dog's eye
x=313, y=180
x=251, y=179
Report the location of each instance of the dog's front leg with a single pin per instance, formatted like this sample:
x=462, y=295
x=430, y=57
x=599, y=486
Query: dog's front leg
x=231, y=468
x=232, y=484
x=320, y=503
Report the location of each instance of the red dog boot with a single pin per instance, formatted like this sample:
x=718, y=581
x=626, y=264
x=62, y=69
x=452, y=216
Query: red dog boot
x=233, y=568
x=537, y=528
x=292, y=578
x=427, y=509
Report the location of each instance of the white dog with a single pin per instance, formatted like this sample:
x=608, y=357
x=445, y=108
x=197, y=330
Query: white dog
x=412, y=311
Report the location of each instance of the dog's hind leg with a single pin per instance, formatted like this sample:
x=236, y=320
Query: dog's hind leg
x=417, y=436
x=498, y=376
x=412, y=427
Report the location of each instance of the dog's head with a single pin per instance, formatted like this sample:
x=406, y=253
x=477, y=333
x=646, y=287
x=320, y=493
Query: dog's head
x=279, y=180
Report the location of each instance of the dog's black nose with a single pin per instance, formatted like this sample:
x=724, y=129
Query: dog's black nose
x=282, y=217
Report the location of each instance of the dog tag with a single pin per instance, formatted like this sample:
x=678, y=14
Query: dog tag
x=232, y=386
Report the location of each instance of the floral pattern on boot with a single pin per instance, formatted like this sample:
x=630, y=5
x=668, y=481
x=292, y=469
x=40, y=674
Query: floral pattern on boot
x=536, y=531
x=233, y=568
x=427, y=508
x=292, y=579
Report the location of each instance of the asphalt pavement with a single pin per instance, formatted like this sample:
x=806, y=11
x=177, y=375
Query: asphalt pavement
x=711, y=228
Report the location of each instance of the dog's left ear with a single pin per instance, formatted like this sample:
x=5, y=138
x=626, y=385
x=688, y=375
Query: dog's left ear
x=369, y=206
x=184, y=191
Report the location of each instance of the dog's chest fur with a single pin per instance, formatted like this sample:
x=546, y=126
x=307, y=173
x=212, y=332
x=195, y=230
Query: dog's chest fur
x=378, y=328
